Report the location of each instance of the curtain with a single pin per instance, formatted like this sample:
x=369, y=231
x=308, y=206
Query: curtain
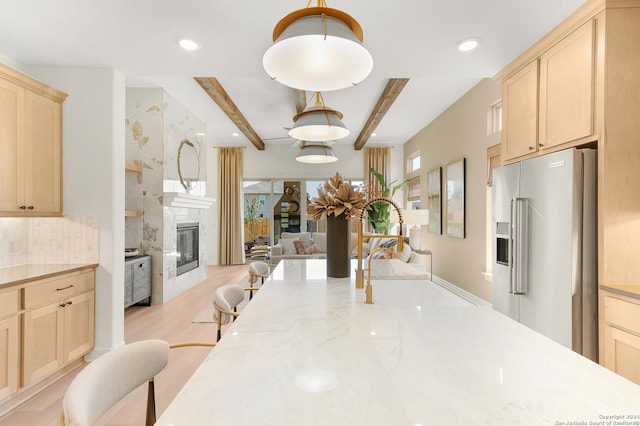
x=378, y=158
x=230, y=244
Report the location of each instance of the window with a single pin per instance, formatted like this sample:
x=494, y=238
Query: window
x=494, y=118
x=413, y=162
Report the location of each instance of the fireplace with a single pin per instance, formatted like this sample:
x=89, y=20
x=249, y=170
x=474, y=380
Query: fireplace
x=187, y=247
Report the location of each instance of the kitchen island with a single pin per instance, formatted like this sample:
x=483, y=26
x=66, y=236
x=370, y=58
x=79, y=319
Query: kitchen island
x=307, y=351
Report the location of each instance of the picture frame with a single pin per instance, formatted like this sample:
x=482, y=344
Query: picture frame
x=434, y=200
x=456, y=173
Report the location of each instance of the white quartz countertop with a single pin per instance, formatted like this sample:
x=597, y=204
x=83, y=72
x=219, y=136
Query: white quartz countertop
x=307, y=351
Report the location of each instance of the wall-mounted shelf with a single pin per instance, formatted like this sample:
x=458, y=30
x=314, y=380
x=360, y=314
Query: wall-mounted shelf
x=135, y=167
x=133, y=213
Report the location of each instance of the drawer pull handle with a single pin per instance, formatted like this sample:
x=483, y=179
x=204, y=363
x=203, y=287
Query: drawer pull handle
x=64, y=288
x=62, y=305
x=70, y=302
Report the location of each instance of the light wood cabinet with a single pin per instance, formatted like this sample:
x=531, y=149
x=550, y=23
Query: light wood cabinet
x=58, y=324
x=520, y=113
x=550, y=101
x=31, y=148
x=9, y=344
x=567, y=78
x=620, y=334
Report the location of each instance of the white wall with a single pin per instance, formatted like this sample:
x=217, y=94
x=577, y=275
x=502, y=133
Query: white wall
x=460, y=131
x=93, y=179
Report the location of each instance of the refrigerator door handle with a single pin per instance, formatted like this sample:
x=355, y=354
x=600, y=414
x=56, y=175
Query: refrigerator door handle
x=520, y=226
x=511, y=249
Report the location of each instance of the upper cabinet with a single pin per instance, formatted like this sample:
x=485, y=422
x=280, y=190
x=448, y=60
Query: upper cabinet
x=567, y=77
x=548, y=102
x=520, y=113
x=30, y=146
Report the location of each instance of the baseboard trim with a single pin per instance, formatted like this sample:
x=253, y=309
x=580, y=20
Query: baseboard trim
x=469, y=297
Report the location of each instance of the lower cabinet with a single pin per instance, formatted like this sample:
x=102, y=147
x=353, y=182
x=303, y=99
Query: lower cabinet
x=45, y=325
x=9, y=343
x=137, y=280
x=620, y=334
x=9, y=365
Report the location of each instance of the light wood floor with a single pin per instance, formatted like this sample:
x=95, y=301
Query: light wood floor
x=172, y=322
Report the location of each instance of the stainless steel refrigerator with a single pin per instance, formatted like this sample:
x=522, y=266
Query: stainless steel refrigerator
x=545, y=248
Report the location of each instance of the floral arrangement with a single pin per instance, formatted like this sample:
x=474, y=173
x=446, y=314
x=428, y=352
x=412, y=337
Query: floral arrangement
x=336, y=197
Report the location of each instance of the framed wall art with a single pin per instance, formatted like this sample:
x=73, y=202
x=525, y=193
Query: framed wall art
x=456, y=199
x=434, y=203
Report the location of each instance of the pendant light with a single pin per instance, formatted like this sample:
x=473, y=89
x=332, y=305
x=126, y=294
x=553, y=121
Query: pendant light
x=318, y=153
x=318, y=123
x=318, y=49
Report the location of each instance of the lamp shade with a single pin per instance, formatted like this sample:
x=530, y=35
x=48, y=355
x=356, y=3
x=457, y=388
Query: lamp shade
x=318, y=123
x=316, y=154
x=318, y=49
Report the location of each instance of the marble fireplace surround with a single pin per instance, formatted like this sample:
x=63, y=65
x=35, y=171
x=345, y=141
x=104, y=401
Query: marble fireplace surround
x=156, y=126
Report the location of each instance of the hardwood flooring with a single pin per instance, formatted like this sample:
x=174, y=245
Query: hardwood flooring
x=172, y=322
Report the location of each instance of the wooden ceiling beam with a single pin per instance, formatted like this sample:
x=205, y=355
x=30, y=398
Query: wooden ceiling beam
x=388, y=97
x=214, y=89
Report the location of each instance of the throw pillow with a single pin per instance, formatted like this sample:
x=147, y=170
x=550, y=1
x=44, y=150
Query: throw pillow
x=389, y=242
x=288, y=246
x=295, y=235
x=403, y=255
x=382, y=254
x=303, y=246
x=320, y=239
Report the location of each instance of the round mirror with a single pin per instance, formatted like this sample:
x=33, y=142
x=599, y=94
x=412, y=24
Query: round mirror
x=188, y=164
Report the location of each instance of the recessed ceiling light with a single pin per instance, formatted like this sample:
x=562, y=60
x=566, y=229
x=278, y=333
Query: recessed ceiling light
x=468, y=44
x=234, y=134
x=373, y=134
x=188, y=44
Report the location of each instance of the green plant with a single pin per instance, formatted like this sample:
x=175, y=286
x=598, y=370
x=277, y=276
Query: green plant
x=252, y=207
x=379, y=212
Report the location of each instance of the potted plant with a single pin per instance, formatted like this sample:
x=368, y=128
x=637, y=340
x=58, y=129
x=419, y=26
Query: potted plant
x=337, y=201
x=252, y=217
x=379, y=213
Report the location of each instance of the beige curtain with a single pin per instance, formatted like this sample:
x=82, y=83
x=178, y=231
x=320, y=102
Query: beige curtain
x=378, y=158
x=230, y=245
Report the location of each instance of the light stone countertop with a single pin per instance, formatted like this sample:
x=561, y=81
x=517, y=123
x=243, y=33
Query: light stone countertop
x=19, y=274
x=307, y=351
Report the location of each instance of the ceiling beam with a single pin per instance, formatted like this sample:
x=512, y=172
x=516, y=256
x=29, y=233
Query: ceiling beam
x=214, y=89
x=299, y=99
x=388, y=97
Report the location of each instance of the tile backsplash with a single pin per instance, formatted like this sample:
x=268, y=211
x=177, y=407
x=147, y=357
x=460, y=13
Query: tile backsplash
x=69, y=239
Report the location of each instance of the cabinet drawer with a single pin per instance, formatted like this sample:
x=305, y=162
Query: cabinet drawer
x=622, y=313
x=8, y=303
x=58, y=288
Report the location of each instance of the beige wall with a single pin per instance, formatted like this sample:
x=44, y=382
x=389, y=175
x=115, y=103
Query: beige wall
x=460, y=131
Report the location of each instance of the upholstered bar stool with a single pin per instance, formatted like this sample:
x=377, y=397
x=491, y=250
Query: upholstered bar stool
x=258, y=271
x=113, y=376
x=225, y=304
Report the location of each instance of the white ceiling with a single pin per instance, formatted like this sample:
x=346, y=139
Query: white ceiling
x=407, y=38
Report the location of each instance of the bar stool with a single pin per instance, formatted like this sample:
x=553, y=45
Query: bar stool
x=257, y=270
x=225, y=304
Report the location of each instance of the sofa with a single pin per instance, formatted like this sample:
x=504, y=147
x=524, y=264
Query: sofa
x=305, y=245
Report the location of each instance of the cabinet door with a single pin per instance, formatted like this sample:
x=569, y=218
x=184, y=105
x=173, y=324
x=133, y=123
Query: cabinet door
x=79, y=326
x=622, y=353
x=9, y=365
x=520, y=113
x=43, y=142
x=567, y=89
x=141, y=279
x=43, y=342
x=128, y=284
x=11, y=147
